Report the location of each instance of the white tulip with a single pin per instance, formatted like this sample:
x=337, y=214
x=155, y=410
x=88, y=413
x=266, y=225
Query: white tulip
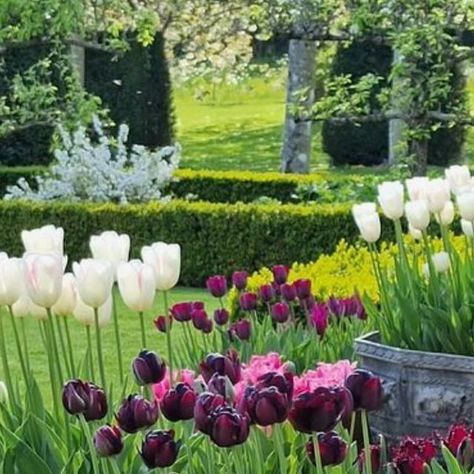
x=94, y=280
x=165, y=259
x=416, y=188
x=37, y=312
x=21, y=308
x=363, y=208
x=369, y=227
x=110, y=246
x=136, y=282
x=85, y=313
x=390, y=197
x=44, y=239
x=446, y=216
x=467, y=228
x=441, y=263
x=43, y=278
x=465, y=203
x=458, y=177
x=67, y=301
x=415, y=233
x=438, y=194
x=11, y=280
x=417, y=214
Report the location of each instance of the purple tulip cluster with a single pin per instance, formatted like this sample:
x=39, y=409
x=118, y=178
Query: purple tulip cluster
x=86, y=399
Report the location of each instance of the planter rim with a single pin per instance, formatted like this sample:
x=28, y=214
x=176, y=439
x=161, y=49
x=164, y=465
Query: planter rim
x=369, y=346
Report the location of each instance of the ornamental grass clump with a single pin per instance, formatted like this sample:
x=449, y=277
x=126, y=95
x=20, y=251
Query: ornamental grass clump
x=427, y=292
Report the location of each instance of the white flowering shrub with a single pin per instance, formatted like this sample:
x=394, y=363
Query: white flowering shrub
x=102, y=170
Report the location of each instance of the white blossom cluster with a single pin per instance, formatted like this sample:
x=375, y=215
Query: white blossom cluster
x=102, y=170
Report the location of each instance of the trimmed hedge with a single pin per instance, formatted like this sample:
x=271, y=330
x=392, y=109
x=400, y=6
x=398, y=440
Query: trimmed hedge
x=215, y=238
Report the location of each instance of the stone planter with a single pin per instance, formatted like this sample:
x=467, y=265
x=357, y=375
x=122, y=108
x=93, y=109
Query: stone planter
x=426, y=391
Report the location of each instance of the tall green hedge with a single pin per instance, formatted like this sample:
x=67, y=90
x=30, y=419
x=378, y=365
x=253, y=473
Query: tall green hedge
x=215, y=238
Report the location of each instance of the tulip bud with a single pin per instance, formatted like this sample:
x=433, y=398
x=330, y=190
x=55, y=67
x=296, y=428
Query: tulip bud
x=248, y=301
x=369, y=227
x=136, y=413
x=415, y=233
x=266, y=406
x=84, y=398
x=221, y=384
x=94, y=281
x=227, y=427
x=239, y=280
x=458, y=177
x=446, y=216
x=366, y=390
x=441, y=263
x=438, y=194
x=280, y=312
x=280, y=274
x=221, y=316
x=199, y=318
x=148, y=368
x=417, y=188
x=223, y=365
x=68, y=299
x=43, y=277
x=44, y=240
x=282, y=382
x=182, y=311
x=162, y=323
x=205, y=404
x=390, y=197
x=178, y=402
x=217, y=285
x=11, y=280
x=417, y=214
x=267, y=293
x=332, y=448
x=363, y=209
x=165, y=259
x=467, y=228
x=288, y=291
x=136, y=282
x=108, y=441
x=303, y=288
x=465, y=203
x=207, y=326
x=320, y=318
x=111, y=247
x=159, y=449
x=241, y=330
x=85, y=314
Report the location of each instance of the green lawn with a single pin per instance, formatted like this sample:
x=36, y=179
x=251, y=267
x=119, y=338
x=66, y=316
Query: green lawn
x=130, y=335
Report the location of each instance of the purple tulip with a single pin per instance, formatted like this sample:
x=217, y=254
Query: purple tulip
x=366, y=390
x=197, y=306
x=280, y=312
x=207, y=326
x=182, y=311
x=221, y=316
x=162, y=323
x=227, y=427
x=357, y=308
x=239, y=279
x=241, y=330
x=320, y=318
x=337, y=307
x=199, y=318
x=178, y=402
x=136, y=413
x=248, y=301
x=319, y=410
x=332, y=448
x=108, y=441
x=288, y=291
x=266, y=406
x=159, y=449
x=280, y=274
x=148, y=368
x=217, y=285
x=223, y=365
x=84, y=398
x=303, y=288
x=267, y=293
x=205, y=404
x=283, y=382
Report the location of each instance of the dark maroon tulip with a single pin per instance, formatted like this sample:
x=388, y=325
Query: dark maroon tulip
x=332, y=447
x=366, y=389
x=159, y=449
x=217, y=285
x=199, y=318
x=197, y=305
x=375, y=456
x=320, y=318
x=239, y=279
x=221, y=384
x=228, y=364
x=319, y=410
x=248, y=301
x=283, y=382
x=267, y=293
x=358, y=308
x=276, y=288
x=76, y=396
x=205, y=404
x=178, y=402
x=162, y=323
x=207, y=326
x=280, y=274
x=148, y=368
x=182, y=311
x=108, y=441
x=288, y=291
x=348, y=405
x=241, y=330
x=266, y=406
x=136, y=413
x=221, y=316
x=280, y=312
x=303, y=288
x=227, y=427
x=97, y=408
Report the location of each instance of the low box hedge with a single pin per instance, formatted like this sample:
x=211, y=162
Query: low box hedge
x=215, y=238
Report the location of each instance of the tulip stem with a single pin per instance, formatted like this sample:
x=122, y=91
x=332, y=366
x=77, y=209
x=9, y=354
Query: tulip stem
x=25, y=343
x=69, y=345
x=88, y=435
x=55, y=345
x=351, y=432
x=115, y=466
x=117, y=337
x=317, y=455
x=100, y=356
x=366, y=435
x=142, y=327
x=52, y=373
x=62, y=342
x=89, y=353
x=6, y=368
x=280, y=447
x=168, y=337
x=19, y=349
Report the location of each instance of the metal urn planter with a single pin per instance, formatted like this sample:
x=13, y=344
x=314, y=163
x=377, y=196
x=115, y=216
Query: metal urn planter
x=426, y=391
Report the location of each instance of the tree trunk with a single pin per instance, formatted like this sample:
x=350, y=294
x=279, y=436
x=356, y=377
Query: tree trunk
x=419, y=150
x=296, y=150
x=78, y=61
